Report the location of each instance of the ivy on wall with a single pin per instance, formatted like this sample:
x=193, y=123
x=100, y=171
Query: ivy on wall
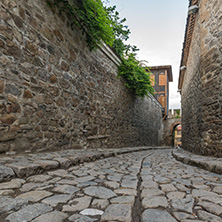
x=137, y=79
x=103, y=24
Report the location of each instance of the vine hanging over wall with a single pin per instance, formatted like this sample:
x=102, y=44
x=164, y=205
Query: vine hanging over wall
x=103, y=24
x=137, y=79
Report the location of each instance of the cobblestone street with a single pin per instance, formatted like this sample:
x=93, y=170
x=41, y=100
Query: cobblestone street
x=94, y=129
x=147, y=186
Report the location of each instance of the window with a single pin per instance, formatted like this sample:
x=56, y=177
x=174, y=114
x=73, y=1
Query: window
x=162, y=100
x=162, y=79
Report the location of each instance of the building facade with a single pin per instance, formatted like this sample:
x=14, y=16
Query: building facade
x=200, y=80
x=177, y=136
x=161, y=76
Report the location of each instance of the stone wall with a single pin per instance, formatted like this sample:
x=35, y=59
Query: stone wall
x=56, y=94
x=202, y=82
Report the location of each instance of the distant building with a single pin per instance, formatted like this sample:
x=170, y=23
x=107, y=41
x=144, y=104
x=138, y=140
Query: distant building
x=161, y=76
x=175, y=113
x=177, y=136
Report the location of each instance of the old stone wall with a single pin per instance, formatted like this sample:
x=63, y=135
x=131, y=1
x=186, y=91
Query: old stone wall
x=56, y=94
x=202, y=84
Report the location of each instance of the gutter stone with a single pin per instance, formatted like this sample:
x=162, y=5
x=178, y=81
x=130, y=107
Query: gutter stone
x=22, y=166
x=209, y=163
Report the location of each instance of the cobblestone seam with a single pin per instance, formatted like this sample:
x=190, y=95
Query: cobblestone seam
x=137, y=208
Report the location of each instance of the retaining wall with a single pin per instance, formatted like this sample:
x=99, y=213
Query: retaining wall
x=56, y=94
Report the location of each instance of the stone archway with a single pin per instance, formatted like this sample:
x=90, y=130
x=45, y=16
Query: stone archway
x=172, y=129
x=169, y=126
x=174, y=125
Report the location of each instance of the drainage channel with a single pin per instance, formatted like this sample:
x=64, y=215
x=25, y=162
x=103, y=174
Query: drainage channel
x=137, y=207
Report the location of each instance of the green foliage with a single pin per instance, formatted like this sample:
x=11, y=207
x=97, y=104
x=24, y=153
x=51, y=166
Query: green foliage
x=137, y=79
x=178, y=112
x=91, y=17
x=103, y=24
x=121, y=32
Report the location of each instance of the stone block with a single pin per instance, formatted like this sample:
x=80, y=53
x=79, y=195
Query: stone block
x=64, y=66
x=60, y=101
x=24, y=169
x=4, y=147
x=58, y=35
x=155, y=202
x=11, y=89
x=17, y=20
x=2, y=44
x=42, y=74
x=99, y=192
x=57, y=199
x=51, y=49
x=34, y=196
x=51, y=216
x=21, y=144
x=53, y=79
x=7, y=204
x=1, y=86
x=40, y=98
x=14, y=108
x=13, y=50
x=7, y=136
x=118, y=212
x=72, y=54
x=22, y=12
x=12, y=184
x=32, y=48
x=29, y=212
x=185, y=204
x=6, y=173
x=37, y=61
x=47, y=164
x=54, y=91
x=65, y=163
x=157, y=215
x=8, y=118
x=27, y=94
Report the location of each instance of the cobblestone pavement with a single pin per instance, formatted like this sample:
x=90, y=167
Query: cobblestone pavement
x=147, y=186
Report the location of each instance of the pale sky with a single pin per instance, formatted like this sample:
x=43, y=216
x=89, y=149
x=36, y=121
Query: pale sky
x=157, y=29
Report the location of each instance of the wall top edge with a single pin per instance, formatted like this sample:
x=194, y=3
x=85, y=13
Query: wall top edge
x=111, y=55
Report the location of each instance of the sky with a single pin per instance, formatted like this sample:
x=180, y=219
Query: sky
x=157, y=29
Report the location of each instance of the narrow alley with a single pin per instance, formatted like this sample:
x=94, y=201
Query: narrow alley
x=147, y=186
x=94, y=130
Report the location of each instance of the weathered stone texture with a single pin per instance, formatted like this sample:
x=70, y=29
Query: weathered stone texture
x=56, y=94
x=202, y=84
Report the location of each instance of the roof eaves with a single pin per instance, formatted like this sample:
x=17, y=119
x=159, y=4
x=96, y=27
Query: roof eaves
x=187, y=42
x=166, y=67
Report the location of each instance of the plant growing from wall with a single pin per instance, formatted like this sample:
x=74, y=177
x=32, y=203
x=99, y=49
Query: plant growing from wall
x=137, y=79
x=103, y=24
x=91, y=17
x=178, y=113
